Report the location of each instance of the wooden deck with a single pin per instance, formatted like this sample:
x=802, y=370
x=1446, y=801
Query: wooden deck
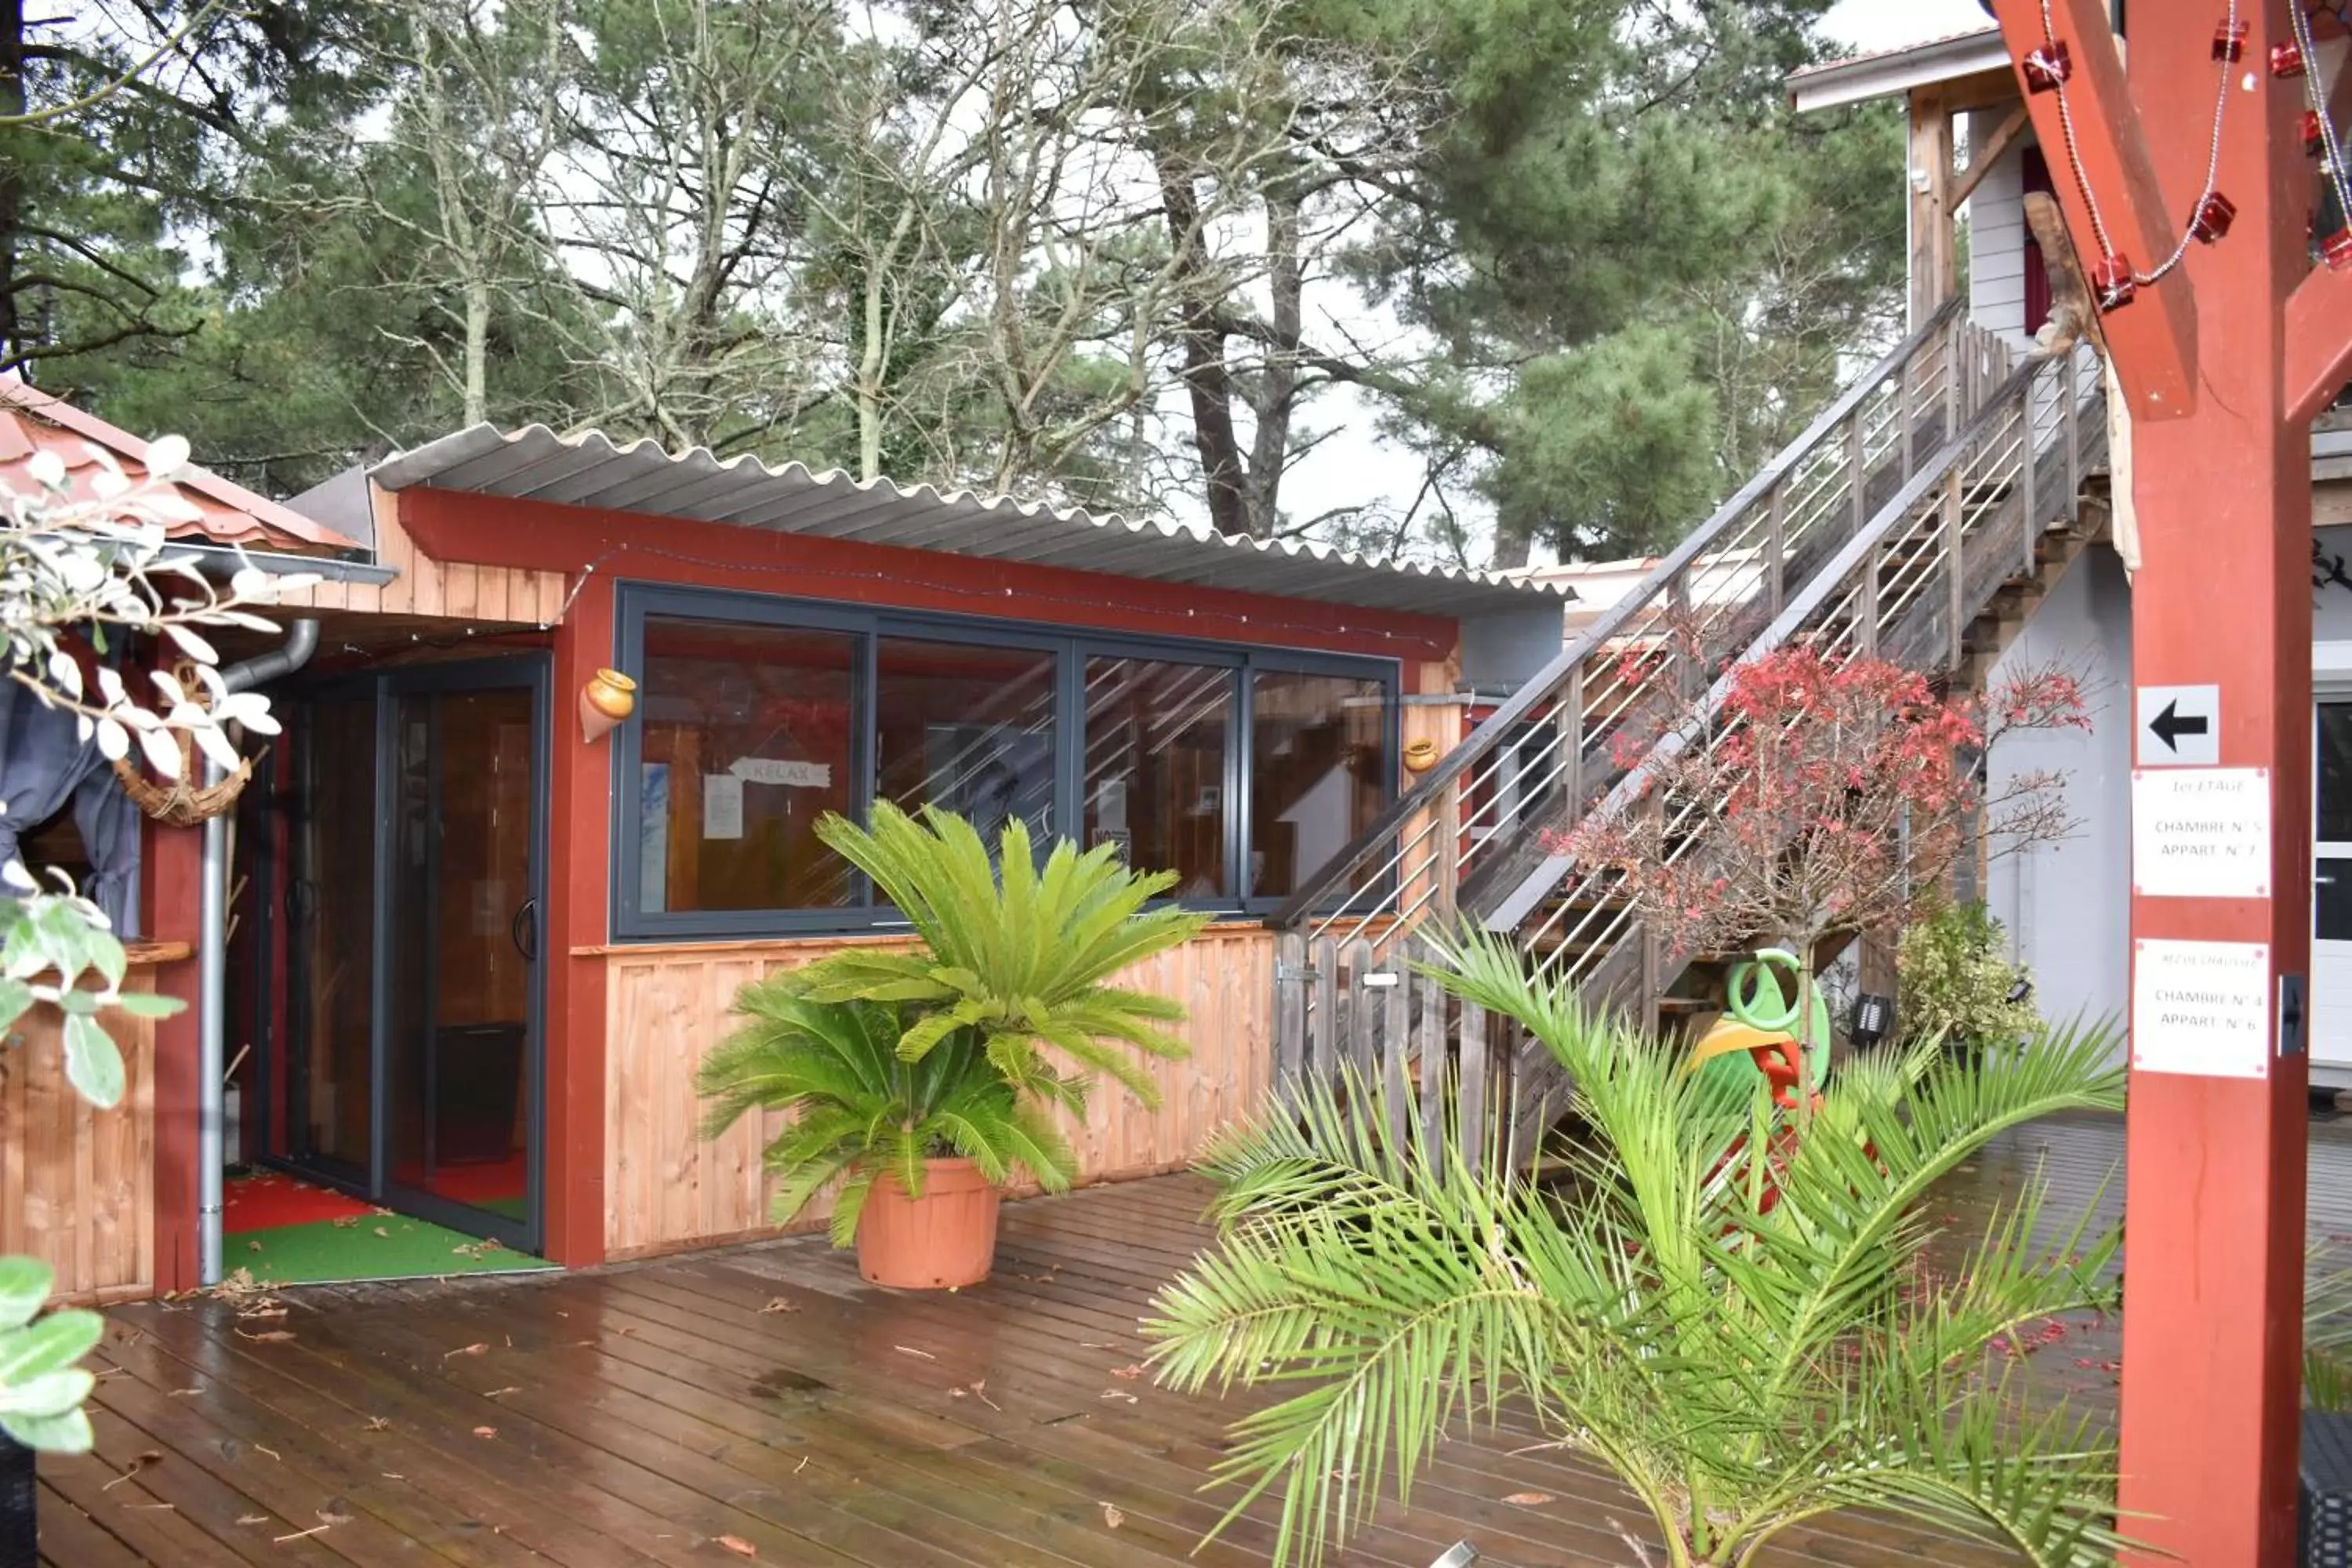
x=764, y=1405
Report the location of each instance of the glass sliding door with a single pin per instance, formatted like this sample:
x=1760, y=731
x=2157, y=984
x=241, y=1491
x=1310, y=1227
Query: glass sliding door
x=418, y=902
x=461, y=992
x=330, y=939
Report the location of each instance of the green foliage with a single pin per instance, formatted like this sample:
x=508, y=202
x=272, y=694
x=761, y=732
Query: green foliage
x=1953, y=982
x=886, y=1058
x=41, y=1388
x=1741, y=1365
x=861, y=1110
x=2327, y=1333
x=1015, y=953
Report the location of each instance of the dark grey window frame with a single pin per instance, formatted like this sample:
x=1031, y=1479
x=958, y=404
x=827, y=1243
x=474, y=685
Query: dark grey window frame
x=1071, y=648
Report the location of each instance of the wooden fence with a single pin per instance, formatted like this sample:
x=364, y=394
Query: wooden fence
x=1365, y=1011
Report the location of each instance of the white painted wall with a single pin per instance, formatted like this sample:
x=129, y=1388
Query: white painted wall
x=1996, y=211
x=2067, y=906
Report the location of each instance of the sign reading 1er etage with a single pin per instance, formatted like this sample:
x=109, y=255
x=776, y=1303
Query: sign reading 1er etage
x=2202, y=833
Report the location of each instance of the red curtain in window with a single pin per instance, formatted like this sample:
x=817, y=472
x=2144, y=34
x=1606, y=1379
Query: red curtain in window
x=2037, y=276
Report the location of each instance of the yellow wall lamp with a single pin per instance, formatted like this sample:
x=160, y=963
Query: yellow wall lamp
x=608, y=697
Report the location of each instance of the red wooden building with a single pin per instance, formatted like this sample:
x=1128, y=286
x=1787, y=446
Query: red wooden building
x=475, y=947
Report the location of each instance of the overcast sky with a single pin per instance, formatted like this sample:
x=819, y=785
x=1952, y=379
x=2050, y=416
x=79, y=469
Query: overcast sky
x=1870, y=25
x=1356, y=466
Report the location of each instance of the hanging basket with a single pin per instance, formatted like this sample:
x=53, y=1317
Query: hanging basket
x=186, y=801
x=183, y=802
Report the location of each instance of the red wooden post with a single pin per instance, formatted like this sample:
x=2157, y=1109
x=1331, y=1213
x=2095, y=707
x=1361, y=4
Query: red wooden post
x=579, y=866
x=2214, y=1172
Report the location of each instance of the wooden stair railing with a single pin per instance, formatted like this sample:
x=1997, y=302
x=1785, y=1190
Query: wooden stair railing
x=1949, y=535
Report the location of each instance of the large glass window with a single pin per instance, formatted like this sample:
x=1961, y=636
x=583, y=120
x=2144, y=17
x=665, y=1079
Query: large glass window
x=968, y=728
x=748, y=738
x=1318, y=771
x=1158, y=737
x=1242, y=770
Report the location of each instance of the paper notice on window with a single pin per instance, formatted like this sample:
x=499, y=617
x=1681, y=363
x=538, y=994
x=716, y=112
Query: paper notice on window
x=723, y=806
x=778, y=771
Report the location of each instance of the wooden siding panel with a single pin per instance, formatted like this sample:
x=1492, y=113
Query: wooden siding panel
x=1997, y=236
x=76, y=1184
x=461, y=590
x=668, y=1189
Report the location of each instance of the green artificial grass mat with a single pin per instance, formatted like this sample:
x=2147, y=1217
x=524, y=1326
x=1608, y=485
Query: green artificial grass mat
x=374, y=1247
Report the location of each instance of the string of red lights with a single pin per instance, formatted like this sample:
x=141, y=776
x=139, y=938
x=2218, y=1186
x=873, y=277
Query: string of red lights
x=2113, y=278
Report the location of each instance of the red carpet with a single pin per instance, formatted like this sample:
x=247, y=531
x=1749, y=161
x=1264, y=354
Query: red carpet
x=269, y=1200
x=484, y=1185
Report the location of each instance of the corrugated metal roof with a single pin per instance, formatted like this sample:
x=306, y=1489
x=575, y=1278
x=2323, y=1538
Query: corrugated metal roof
x=32, y=420
x=590, y=470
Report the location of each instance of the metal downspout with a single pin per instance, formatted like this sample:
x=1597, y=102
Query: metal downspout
x=212, y=962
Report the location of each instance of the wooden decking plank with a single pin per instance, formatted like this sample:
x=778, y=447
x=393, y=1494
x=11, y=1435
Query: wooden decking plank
x=70, y=1538
x=519, y=1507
x=1454, y=1490
x=789, y=1518
x=246, y=1450
x=672, y=1359
x=152, y=1504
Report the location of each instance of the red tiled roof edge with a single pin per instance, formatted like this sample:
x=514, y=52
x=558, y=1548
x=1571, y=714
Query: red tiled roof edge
x=235, y=516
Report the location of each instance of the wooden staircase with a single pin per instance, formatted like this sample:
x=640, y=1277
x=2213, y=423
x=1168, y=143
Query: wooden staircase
x=1923, y=517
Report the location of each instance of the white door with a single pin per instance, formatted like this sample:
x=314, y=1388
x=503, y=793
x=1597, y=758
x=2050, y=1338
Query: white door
x=2331, y=886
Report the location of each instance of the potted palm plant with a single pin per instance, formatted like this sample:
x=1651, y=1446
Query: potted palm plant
x=1741, y=1365
x=919, y=1083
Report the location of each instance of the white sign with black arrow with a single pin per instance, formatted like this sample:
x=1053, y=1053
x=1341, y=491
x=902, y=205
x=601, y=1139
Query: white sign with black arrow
x=2179, y=726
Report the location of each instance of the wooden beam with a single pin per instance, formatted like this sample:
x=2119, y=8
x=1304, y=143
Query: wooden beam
x=1982, y=159
x=2155, y=337
x=1934, y=256
x=2318, y=341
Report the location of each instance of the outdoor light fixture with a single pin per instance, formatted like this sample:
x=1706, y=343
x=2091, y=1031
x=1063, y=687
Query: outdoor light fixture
x=2020, y=991
x=607, y=698
x=1873, y=1019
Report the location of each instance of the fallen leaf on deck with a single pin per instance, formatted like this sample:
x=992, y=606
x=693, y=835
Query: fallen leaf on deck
x=382, y=1232
x=486, y=1431
x=268, y=1336
x=1529, y=1500
x=333, y=1513
x=138, y=1463
x=183, y=1392
x=1112, y=1517
x=501, y=1393
x=346, y=1222
x=474, y=1349
x=909, y=1350
x=738, y=1545
x=1120, y=1393
x=1096, y=1346
x=253, y=1519
x=1128, y=1373
x=253, y=1246
x=780, y=1305
x=377, y=1424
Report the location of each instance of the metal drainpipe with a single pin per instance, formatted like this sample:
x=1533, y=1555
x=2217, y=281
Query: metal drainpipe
x=212, y=962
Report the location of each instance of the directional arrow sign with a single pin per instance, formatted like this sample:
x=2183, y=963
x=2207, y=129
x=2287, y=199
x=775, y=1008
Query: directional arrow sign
x=2179, y=726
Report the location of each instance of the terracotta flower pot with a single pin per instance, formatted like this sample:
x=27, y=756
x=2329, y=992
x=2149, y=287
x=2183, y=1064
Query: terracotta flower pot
x=944, y=1240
